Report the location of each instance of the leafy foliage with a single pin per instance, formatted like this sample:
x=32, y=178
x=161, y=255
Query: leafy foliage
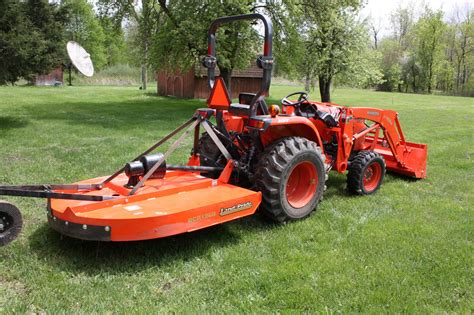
x=84, y=28
x=332, y=42
x=182, y=37
x=428, y=46
x=31, y=39
x=114, y=42
x=429, y=53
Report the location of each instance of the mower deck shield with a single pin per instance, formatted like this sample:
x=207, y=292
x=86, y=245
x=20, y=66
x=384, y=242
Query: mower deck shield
x=180, y=202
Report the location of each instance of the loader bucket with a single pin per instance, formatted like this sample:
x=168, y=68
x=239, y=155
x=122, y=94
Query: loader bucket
x=180, y=202
x=412, y=160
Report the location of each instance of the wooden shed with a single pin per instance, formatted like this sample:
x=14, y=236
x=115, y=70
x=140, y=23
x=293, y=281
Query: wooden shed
x=193, y=83
x=55, y=77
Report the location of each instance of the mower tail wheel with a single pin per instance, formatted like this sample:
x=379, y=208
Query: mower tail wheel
x=11, y=222
x=366, y=172
x=291, y=176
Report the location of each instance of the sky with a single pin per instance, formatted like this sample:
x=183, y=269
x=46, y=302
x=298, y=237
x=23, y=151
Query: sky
x=380, y=9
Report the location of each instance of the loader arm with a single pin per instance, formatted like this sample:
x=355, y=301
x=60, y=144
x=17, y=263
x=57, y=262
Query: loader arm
x=388, y=121
x=404, y=157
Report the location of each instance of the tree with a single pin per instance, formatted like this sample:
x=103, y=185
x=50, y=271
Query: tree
x=428, y=45
x=375, y=27
x=15, y=43
x=182, y=38
x=402, y=20
x=83, y=26
x=392, y=53
x=333, y=36
x=114, y=41
x=143, y=18
x=30, y=39
x=462, y=46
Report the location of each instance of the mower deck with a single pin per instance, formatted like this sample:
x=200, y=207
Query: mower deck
x=181, y=202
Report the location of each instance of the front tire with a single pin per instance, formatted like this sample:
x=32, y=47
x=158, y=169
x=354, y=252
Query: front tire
x=366, y=172
x=291, y=177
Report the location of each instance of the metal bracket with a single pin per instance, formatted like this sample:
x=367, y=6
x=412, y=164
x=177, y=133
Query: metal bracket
x=152, y=148
x=265, y=62
x=209, y=62
x=173, y=147
x=216, y=140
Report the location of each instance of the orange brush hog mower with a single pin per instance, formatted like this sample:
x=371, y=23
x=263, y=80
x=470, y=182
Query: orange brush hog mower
x=252, y=157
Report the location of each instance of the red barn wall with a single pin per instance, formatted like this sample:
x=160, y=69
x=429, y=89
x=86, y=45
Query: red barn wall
x=176, y=84
x=239, y=85
x=193, y=83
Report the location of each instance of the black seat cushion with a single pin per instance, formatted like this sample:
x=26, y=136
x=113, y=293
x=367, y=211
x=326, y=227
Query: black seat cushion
x=237, y=109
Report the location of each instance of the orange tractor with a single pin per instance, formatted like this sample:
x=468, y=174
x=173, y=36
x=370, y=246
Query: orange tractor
x=252, y=157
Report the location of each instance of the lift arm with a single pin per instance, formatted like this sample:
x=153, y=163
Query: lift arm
x=406, y=157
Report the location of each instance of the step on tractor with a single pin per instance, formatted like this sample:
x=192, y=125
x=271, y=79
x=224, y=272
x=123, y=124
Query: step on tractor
x=248, y=156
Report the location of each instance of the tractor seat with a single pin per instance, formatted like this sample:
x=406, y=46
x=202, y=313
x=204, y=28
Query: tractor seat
x=237, y=109
x=242, y=108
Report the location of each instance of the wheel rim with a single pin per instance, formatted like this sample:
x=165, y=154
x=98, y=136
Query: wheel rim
x=6, y=222
x=372, y=175
x=301, y=184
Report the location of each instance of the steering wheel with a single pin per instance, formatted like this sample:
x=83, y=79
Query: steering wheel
x=303, y=97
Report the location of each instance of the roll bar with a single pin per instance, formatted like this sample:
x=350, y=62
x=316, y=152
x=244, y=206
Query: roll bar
x=264, y=61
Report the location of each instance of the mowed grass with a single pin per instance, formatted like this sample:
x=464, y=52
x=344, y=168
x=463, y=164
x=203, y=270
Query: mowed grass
x=409, y=248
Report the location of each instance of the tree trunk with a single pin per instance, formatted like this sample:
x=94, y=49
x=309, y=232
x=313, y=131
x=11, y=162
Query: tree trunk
x=307, y=83
x=376, y=40
x=325, y=89
x=144, y=76
x=226, y=74
x=430, y=77
x=146, y=36
x=413, y=72
x=458, y=75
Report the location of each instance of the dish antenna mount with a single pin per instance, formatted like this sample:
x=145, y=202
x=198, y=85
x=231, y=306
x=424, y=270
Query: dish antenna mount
x=80, y=58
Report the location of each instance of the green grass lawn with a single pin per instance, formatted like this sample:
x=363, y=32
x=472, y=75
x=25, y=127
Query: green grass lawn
x=409, y=248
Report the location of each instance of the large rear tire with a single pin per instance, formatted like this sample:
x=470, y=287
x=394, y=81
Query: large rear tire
x=291, y=176
x=11, y=222
x=366, y=172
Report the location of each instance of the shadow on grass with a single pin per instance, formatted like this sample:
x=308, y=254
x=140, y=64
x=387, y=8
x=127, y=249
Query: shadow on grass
x=7, y=123
x=336, y=186
x=392, y=177
x=120, y=115
x=337, y=183
x=93, y=258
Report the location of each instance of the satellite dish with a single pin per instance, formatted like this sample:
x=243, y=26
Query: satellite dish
x=80, y=58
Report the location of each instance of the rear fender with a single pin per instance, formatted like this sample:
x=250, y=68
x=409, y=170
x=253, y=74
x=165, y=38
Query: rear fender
x=291, y=126
x=233, y=123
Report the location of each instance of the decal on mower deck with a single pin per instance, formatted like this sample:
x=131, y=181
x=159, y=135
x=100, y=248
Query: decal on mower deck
x=202, y=217
x=236, y=208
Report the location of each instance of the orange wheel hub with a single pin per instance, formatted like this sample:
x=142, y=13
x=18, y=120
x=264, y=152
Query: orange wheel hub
x=301, y=185
x=372, y=176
